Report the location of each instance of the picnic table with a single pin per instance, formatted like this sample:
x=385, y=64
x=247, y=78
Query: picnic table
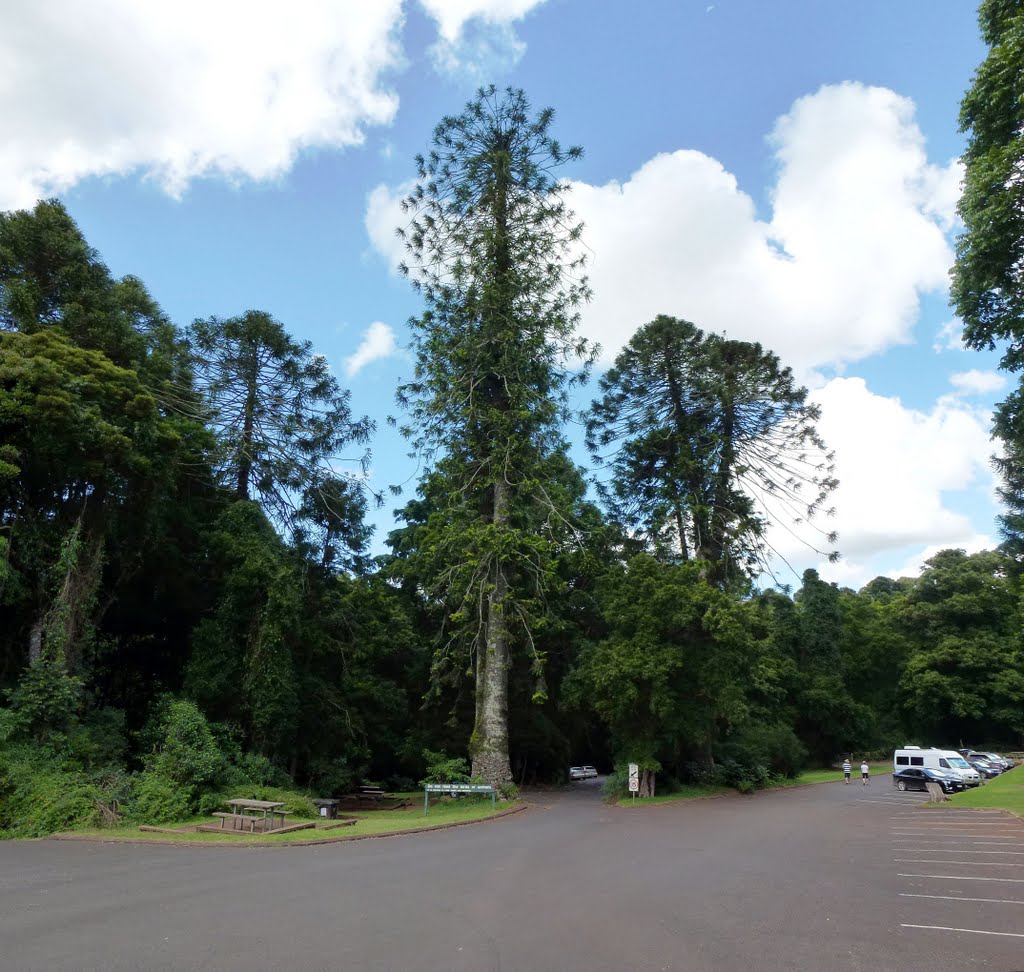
x=253, y=812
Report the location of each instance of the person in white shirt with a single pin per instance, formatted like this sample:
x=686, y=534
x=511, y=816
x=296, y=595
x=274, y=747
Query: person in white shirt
x=865, y=774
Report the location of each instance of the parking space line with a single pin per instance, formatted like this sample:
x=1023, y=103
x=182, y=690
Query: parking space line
x=971, y=931
x=963, y=877
x=953, y=897
x=950, y=840
x=939, y=850
x=917, y=860
x=955, y=823
x=945, y=833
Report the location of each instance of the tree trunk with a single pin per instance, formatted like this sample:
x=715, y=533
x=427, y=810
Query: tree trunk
x=35, y=642
x=489, y=746
x=646, y=783
x=245, y=458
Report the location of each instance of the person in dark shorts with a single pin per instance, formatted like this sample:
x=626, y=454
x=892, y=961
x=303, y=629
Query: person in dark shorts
x=865, y=774
x=847, y=769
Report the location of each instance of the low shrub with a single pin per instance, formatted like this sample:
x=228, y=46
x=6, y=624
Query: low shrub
x=39, y=796
x=156, y=799
x=442, y=768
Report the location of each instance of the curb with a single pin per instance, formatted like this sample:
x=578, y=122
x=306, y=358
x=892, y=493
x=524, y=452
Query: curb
x=250, y=845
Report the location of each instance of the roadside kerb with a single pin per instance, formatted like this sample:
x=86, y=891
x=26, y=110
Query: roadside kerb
x=251, y=845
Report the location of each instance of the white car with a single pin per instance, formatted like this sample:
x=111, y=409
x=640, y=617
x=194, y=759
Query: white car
x=577, y=773
x=589, y=773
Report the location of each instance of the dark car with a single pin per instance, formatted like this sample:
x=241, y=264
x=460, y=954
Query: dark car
x=918, y=778
x=994, y=758
x=987, y=769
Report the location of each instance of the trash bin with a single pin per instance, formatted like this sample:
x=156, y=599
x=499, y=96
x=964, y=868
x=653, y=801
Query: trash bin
x=327, y=808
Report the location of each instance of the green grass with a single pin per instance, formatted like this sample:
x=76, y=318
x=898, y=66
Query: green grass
x=831, y=775
x=808, y=776
x=372, y=822
x=1005, y=792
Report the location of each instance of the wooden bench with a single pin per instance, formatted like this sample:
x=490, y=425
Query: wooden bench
x=241, y=819
x=238, y=821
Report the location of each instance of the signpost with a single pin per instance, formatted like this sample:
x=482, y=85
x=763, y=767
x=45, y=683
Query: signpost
x=453, y=789
x=634, y=779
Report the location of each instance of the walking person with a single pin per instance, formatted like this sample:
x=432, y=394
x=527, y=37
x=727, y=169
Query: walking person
x=847, y=769
x=865, y=774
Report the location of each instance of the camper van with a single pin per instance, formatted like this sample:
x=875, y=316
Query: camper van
x=943, y=759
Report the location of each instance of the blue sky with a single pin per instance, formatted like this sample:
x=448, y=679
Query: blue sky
x=782, y=171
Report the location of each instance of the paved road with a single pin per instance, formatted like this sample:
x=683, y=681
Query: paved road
x=823, y=877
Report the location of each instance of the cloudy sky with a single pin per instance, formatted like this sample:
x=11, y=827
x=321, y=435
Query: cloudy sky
x=783, y=172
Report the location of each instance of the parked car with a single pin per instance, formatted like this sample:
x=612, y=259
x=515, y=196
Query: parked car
x=590, y=772
x=983, y=766
x=937, y=759
x=994, y=758
x=577, y=773
x=918, y=778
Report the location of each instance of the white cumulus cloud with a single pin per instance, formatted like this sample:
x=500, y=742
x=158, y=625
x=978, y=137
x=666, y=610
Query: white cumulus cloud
x=477, y=37
x=898, y=468
x=378, y=342
x=187, y=89
x=855, y=236
x=976, y=382
x=452, y=16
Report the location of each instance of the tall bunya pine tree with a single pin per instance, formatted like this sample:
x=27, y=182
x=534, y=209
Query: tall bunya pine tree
x=493, y=250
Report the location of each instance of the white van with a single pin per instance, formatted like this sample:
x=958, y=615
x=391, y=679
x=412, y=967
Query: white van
x=944, y=759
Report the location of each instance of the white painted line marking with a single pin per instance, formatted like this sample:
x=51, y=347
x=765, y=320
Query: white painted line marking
x=952, y=833
x=956, y=823
x=953, y=897
x=939, y=850
x=952, y=844
x=971, y=931
x=964, y=877
x=910, y=860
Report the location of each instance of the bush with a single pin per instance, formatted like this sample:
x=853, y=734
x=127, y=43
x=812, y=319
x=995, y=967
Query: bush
x=156, y=799
x=616, y=783
x=253, y=769
x=758, y=752
x=442, y=768
x=187, y=753
x=39, y=796
x=46, y=699
x=743, y=777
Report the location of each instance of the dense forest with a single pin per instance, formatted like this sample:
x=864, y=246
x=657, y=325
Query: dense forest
x=188, y=604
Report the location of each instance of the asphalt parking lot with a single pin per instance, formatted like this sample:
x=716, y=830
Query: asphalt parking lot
x=822, y=877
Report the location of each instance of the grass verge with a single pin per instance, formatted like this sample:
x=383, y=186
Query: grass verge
x=803, y=779
x=1005, y=792
x=831, y=775
x=368, y=824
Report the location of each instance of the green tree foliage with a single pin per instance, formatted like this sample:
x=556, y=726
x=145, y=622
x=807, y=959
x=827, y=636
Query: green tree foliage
x=828, y=719
x=672, y=674
x=708, y=440
x=82, y=436
x=282, y=421
x=492, y=248
x=986, y=280
x=242, y=667
x=986, y=288
x=964, y=676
